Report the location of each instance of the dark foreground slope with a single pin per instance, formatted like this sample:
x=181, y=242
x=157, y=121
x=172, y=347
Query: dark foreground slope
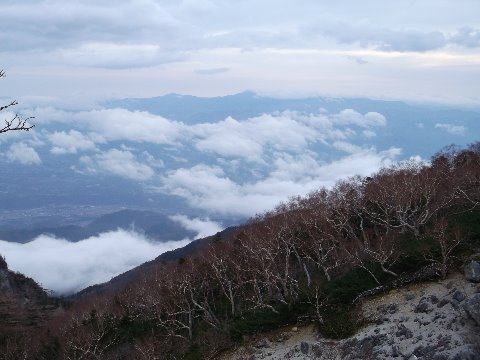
x=24, y=308
x=309, y=260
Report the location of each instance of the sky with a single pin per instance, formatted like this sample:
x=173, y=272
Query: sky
x=72, y=52
x=64, y=57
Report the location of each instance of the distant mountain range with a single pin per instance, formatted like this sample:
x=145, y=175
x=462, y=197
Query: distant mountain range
x=407, y=123
x=153, y=225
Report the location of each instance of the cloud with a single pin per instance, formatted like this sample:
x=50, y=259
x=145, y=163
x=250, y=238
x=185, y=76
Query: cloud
x=70, y=143
x=228, y=138
x=65, y=23
x=212, y=71
x=116, y=56
x=356, y=59
x=203, y=227
x=257, y=162
x=391, y=38
x=287, y=131
x=347, y=147
x=248, y=139
x=466, y=36
x=66, y=267
x=121, y=163
x=24, y=154
x=139, y=126
x=352, y=117
x=209, y=188
x=369, y=134
x=381, y=38
x=451, y=129
x=143, y=48
x=152, y=160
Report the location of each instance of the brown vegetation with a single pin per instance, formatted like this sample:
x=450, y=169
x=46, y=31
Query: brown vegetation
x=307, y=258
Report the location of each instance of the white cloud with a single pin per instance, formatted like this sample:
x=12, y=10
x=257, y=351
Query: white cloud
x=66, y=267
x=451, y=129
x=287, y=131
x=246, y=139
x=152, y=160
x=386, y=39
x=466, y=36
x=369, y=134
x=200, y=179
x=209, y=188
x=121, y=124
x=352, y=117
x=212, y=71
x=347, y=147
x=124, y=164
x=121, y=163
x=70, y=143
x=112, y=55
x=203, y=227
x=24, y=154
x=228, y=138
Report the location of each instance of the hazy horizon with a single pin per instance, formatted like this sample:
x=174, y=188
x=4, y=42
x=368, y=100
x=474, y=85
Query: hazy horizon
x=79, y=52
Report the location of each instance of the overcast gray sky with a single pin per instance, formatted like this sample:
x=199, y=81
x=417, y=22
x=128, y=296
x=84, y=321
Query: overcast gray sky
x=84, y=49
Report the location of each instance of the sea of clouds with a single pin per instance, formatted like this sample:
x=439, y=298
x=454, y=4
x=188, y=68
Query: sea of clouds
x=65, y=267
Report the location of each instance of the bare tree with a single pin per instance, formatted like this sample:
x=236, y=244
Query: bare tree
x=447, y=242
x=16, y=122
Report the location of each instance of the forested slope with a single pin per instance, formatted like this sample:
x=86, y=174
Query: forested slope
x=307, y=260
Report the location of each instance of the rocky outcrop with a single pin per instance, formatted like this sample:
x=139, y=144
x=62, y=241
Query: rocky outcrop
x=472, y=271
x=22, y=301
x=472, y=307
x=433, y=320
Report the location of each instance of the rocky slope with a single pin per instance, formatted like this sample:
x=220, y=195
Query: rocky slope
x=22, y=301
x=432, y=320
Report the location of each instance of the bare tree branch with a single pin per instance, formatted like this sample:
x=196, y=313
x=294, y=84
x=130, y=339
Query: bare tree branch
x=17, y=122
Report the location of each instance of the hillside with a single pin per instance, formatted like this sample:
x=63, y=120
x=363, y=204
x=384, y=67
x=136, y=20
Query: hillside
x=307, y=261
x=24, y=308
x=431, y=320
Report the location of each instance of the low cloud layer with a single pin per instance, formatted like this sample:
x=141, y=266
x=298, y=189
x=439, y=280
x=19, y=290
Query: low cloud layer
x=24, y=154
x=203, y=227
x=232, y=167
x=65, y=267
x=211, y=189
x=451, y=128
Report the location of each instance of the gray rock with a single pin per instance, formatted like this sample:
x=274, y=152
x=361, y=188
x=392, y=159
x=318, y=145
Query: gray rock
x=282, y=338
x=454, y=304
x=472, y=271
x=459, y=296
x=395, y=351
x=391, y=308
x=304, y=347
x=404, y=331
x=424, y=306
x=442, y=303
x=317, y=349
x=262, y=344
x=409, y=296
x=472, y=307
